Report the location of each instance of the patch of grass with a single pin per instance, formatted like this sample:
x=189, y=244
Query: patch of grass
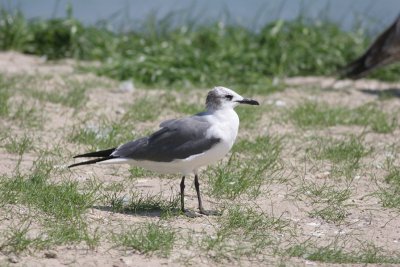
x=4, y=97
x=348, y=150
x=242, y=232
x=311, y=114
x=345, y=154
x=105, y=135
x=249, y=116
x=14, y=30
x=27, y=237
x=187, y=102
x=246, y=174
x=144, y=109
x=138, y=172
x=137, y=203
x=148, y=238
x=58, y=209
x=329, y=201
x=73, y=98
x=21, y=111
x=390, y=196
x=67, y=232
x=187, y=109
x=27, y=115
x=62, y=201
x=19, y=145
x=17, y=240
x=335, y=254
x=162, y=54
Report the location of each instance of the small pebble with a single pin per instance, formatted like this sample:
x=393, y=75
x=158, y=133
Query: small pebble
x=50, y=254
x=280, y=103
x=126, y=86
x=13, y=259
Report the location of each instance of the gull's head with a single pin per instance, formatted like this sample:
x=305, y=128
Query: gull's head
x=220, y=98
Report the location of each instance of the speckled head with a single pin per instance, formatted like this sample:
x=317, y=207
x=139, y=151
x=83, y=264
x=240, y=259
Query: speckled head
x=220, y=98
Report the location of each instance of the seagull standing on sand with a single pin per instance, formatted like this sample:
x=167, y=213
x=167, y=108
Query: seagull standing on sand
x=183, y=145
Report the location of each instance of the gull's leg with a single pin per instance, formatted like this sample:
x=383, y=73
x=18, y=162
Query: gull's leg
x=197, y=186
x=183, y=194
x=188, y=213
x=201, y=209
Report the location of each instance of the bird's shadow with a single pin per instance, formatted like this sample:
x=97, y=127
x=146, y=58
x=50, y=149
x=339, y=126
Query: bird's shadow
x=148, y=212
x=383, y=93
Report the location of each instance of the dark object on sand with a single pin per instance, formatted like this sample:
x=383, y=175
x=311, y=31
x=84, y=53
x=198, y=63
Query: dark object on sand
x=384, y=50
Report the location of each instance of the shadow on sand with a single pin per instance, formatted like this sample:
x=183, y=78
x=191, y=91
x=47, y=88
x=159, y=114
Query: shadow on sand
x=149, y=212
x=384, y=93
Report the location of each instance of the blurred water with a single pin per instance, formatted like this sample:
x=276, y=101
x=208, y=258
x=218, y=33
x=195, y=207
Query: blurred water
x=124, y=14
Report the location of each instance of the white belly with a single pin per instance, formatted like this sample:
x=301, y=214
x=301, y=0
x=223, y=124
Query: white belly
x=184, y=166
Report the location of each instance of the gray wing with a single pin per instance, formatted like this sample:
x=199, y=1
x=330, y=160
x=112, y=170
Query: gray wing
x=177, y=139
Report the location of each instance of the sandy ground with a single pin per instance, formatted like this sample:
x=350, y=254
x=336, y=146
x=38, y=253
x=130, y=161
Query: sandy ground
x=365, y=221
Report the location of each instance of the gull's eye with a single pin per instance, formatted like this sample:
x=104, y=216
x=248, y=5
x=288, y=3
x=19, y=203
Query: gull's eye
x=229, y=97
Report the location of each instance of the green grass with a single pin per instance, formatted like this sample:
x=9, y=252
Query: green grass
x=18, y=145
x=4, y=97
x=138, y=172
x=242, y=232
x=26, y=237
x=61, y=201
x=147, y=238
x=74, y=98
x=69, y=232
x=57, y=207
x=312, y=114
x=103, y=135
x=390, y=195
x=139, y=203
x=329, y=201
x=163, y=55
x=17, y=240
x=249, y=116
x=367, y=254
x=246, y=174
x=26, y=115
x=344, y=155
x=144, y=109
x=348, y=150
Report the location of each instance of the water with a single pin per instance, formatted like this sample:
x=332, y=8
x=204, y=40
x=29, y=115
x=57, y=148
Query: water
x=124, y=14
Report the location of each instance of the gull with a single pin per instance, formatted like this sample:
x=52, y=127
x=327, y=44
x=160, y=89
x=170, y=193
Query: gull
x=384, y=50
x=183, y=145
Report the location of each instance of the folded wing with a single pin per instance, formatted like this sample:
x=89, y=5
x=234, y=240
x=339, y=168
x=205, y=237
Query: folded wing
x=177, y=139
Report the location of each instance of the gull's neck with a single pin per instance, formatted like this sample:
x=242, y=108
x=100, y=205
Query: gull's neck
x=224, y=113
x=225, y=122
x=213, y=110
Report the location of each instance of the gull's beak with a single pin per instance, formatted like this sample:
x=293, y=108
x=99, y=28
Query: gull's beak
x=248, y=101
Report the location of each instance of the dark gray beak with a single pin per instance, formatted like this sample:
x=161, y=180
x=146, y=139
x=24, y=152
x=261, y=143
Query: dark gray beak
x=248, y=101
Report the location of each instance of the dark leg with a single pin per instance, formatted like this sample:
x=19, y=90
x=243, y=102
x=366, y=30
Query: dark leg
x=197, y=186
x=201, y=209
x=183, y=194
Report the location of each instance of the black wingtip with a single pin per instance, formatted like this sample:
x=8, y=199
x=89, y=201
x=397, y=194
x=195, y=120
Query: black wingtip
x=102, y=153
x=93, y=161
